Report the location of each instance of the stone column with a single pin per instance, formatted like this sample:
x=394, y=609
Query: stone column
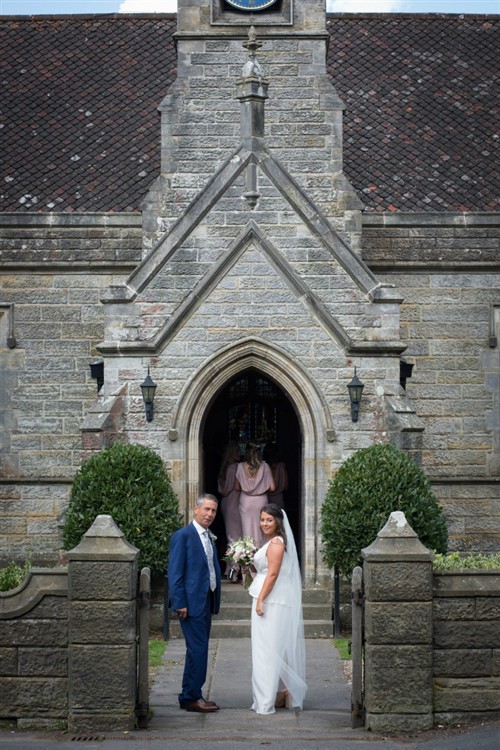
x=398, y=630
x=102, y=589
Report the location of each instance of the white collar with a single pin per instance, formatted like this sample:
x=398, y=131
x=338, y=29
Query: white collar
x=199, y=528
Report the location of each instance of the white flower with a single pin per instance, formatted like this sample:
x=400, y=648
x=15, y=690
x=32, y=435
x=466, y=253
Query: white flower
x=241, y=551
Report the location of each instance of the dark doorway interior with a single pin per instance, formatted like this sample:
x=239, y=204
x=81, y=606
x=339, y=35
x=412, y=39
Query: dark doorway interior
x=253, y=407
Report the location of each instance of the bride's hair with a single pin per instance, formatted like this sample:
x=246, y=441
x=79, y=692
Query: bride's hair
x=275, y=511
x=252, y=457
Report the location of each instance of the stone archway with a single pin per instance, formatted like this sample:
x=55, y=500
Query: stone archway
x=312, y=414
x=253, y=407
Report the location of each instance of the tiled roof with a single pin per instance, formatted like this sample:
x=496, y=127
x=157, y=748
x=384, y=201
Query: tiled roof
x=80, y=97
x=81, y=131
x=421, y=126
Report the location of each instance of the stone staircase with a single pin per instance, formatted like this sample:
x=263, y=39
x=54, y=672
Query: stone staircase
x=233, y=620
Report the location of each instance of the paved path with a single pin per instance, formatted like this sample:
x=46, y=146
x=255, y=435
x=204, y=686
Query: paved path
x=324, y=724
x=326, y=709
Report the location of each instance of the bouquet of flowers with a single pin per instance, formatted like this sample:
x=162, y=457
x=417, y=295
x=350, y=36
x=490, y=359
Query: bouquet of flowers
x=240, y=555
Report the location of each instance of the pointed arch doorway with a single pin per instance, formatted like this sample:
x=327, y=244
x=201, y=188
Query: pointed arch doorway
x=253, y=407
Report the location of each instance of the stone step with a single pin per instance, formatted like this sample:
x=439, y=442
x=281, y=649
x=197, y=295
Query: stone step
x=236, y=593
x=233, y=621
x=240, y=611
x=236, y=611
x=242, y=629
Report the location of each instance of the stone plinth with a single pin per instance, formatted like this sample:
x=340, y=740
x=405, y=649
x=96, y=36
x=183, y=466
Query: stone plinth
x=398, y=630
x=102, y=646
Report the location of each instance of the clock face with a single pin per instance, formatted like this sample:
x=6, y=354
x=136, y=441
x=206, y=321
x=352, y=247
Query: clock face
x=251, y=4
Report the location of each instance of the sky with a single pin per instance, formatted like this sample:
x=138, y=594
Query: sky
x=41, y=7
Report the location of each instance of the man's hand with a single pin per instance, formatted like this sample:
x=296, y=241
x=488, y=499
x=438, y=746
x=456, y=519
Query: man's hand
x=182, y=613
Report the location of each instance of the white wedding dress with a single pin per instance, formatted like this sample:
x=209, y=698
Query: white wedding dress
x=278, y=646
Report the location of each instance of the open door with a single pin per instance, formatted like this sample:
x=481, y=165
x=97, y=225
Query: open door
x=254, y=407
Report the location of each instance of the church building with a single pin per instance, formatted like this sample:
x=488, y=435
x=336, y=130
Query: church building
x=255, y=203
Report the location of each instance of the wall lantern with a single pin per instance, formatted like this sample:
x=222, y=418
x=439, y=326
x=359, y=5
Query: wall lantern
x=97, y=373
x=355, y=388
x=148, y=389
x=405, y=369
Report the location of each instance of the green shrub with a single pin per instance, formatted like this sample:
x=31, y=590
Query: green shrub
x=456, y=561
x=129, y=483
x=13, y=575
x=370, y=485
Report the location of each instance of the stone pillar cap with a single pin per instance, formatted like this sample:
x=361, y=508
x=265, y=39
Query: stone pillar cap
x=103, y=541
x=396, y=541
x=396, y=525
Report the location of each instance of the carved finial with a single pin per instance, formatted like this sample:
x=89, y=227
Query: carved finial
x=252, y=44
x=252, y=66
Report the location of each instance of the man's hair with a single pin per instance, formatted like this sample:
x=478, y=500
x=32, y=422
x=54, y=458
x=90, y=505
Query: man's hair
x=206, y=496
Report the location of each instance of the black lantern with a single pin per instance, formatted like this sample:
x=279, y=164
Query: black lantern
x=148, y=388
x=97, y=373
x=355, y=388
x=405, y=369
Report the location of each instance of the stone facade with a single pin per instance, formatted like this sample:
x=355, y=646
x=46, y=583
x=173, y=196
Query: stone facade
x=252, y=254
x=446, y=269
x=53, y=274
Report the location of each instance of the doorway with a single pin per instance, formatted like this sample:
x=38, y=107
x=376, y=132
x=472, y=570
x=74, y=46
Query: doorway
x=252, y=406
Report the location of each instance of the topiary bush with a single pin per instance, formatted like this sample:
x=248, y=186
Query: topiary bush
x=129, y=483
x=370, y=485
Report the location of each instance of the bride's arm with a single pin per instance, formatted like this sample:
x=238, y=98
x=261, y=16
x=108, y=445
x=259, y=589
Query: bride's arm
x=275, y=552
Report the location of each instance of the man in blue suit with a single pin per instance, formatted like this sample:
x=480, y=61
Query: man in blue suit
x=195, y=586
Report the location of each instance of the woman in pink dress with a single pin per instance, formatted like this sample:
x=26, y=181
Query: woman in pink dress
x=230, y=495
x=254, y=480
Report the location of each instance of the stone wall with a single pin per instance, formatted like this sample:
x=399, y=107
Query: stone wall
x=201, y=116
x=34, y=650
x=53, y=271
x=466, y=645
x=289, y=298
x=436, y=632
x=446, y=268
x=397, y=575
x=472, y=510
x=68, y=639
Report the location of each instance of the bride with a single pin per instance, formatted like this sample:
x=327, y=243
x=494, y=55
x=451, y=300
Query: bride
x=278, y=647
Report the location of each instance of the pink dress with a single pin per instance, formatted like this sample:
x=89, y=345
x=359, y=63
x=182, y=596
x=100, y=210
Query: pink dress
x=230, y=504
x=253, y=496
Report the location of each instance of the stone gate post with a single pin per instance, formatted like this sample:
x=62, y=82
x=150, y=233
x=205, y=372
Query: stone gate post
x=398, y=630
x=102, y=586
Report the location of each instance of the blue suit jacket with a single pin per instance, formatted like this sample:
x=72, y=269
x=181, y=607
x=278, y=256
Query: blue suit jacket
x=188, y=574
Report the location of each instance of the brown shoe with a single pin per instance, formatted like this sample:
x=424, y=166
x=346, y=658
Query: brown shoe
x=201, y=707
x=209, y=703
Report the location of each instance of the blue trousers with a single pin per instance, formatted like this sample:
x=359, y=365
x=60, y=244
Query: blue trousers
x=196, y=631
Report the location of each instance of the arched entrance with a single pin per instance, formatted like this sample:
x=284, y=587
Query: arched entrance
x=311, y=413
x=252, y=406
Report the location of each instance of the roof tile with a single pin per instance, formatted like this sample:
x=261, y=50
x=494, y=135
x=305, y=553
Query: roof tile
x=81, y=130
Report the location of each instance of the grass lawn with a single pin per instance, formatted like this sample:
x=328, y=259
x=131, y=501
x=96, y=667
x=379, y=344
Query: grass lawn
x=342, y=645
x=156, y=650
